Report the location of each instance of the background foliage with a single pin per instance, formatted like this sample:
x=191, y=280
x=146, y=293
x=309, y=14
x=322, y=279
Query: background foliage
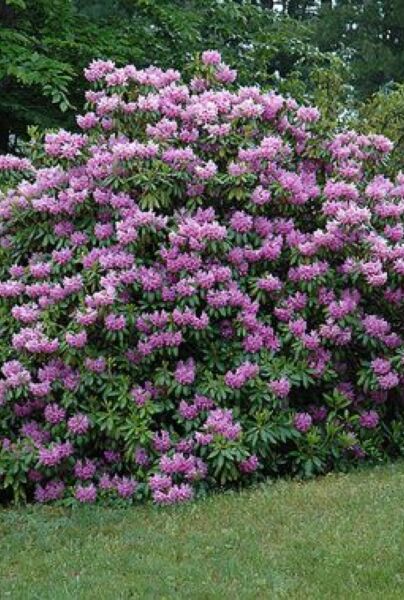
x=337, y=53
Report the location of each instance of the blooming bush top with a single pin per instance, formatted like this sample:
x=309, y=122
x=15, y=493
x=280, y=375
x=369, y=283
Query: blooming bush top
x=198, y=287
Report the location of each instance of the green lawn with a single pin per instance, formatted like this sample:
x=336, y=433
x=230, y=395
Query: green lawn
x=338, y=537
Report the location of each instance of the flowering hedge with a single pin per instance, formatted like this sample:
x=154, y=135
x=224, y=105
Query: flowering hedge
x=200, y=289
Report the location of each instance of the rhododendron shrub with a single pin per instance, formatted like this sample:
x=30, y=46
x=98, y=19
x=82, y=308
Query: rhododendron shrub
x=199, y=289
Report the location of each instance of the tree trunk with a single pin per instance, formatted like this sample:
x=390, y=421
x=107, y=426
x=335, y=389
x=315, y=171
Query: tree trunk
x=294, y=8
x=7, y=17
x=4, y=136
x=7, y=13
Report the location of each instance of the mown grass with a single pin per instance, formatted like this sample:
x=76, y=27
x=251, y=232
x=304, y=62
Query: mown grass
x=341, y=537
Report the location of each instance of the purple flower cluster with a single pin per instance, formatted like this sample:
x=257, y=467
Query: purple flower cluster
x=55, y=454
x=241, y=375
x=369, y=419
x=249, y=465
x=220, y=422
x=185, y=372
x=302, y=422
x=280, y=387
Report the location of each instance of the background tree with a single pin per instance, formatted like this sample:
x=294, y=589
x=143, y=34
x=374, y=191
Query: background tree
x=371, y=35
x=34, y=78
x=45, y=44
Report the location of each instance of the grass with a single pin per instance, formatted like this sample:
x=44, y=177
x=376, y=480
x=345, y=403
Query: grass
x=339, y=537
